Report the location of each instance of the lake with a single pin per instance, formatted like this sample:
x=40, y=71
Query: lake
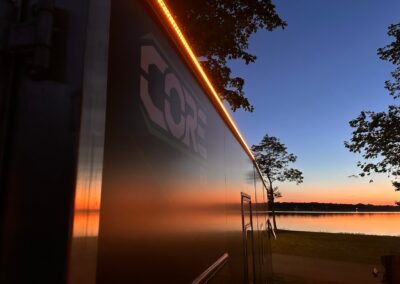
x=376, y=223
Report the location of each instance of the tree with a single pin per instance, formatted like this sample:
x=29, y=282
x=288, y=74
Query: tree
x=219, y=30
x=274, y=160
x=376, y=135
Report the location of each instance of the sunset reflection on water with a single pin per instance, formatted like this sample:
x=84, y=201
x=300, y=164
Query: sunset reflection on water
x=86, y=224
x=382, y=223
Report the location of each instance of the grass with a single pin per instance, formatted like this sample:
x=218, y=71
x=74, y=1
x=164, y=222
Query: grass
x=342, y=247
x=285, y=279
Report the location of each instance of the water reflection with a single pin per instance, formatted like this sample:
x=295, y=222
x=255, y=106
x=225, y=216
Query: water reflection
x=371, y=223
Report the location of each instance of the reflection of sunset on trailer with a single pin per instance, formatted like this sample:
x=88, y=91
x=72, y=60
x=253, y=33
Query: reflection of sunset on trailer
x=159, y=185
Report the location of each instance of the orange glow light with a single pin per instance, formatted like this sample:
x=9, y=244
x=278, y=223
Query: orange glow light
x=189, y=51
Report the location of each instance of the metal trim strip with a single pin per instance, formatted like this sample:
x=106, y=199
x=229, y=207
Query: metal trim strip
x=169, y=23
x=210, y=271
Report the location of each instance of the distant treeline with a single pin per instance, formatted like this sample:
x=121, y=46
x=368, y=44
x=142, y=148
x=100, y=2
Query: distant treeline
x=335, y=207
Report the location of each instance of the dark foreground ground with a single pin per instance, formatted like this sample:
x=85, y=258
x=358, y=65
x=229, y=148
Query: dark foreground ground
x=307, y=257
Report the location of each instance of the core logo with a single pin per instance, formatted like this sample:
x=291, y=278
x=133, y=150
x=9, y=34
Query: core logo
x=168, y=103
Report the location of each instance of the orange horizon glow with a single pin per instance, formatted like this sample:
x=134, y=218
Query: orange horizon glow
x=347, y=201
x=380, y=193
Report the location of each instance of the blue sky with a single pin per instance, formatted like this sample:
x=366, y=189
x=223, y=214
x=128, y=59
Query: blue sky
x=310, y=79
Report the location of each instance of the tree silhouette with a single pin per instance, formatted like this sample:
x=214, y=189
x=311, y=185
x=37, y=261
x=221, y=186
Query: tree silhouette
x=274, y=160
x=377, y=134
x=391, y=53
x=219, y=30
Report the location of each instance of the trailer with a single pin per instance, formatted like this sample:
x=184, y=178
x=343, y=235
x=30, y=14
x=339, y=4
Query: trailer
x=118, y=161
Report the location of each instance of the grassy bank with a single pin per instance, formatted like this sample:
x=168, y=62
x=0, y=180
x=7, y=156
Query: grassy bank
x=342, y=247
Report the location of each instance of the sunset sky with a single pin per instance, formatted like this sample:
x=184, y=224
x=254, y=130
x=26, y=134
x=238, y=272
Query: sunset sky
x=309, y=81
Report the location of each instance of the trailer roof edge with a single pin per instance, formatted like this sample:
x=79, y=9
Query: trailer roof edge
x=166, y=16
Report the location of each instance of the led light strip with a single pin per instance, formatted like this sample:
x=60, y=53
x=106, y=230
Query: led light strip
x=182, y=39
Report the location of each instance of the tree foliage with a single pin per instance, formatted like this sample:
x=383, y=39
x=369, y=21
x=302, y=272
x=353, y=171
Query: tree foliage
x=376, y=135
x=274, y=161
x=391, y=53
x=219, y=30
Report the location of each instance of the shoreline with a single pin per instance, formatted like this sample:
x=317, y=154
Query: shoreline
x=353, y=247
x=320, y=257
x=341, y=233
x=323, y=212
x=335, y=212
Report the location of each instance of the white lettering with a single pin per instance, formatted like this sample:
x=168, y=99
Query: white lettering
x=172, y=83
x=191, y=122
x=150, y=56
x=184, y=124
